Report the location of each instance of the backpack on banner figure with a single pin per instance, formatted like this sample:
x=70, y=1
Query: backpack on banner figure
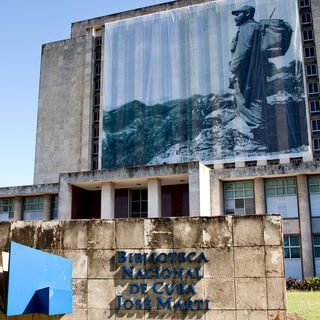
x=276, y=37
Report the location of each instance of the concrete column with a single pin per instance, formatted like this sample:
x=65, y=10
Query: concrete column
x=107, y=200
x=47, y=208
x=199, y=190
x=18, y=208
x=305, y=227
x=154, y=198
x=259, y=196
x=65, y=200
x=217, y=197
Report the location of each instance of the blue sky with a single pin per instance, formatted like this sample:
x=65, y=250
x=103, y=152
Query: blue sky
x=25, y=26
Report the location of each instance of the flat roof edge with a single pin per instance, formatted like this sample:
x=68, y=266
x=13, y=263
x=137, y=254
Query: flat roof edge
x=29, y=190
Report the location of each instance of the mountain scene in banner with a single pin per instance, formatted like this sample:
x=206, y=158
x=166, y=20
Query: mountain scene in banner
x=207, y=127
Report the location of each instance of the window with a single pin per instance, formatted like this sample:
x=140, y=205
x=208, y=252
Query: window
x=316, y=245
x=315, y=106
x=316, y=144
x=312, y=70
x=306, y=19
x=96, y=132
x=96, y=116
x=98, y=40
x=55, y=207
x=95, y=148
x=314, y=194
x=33, y=208
x=97, y=85
x=307, y=36
x=98, y=55
x=292, y=247
x=96, y=100
x=94, y=163
x=313, y=88
x=238, y=197
x=229, y=165
x=316, y=253
x=273, y=162
x=6, y=209
x=295, y=160
x=281, y=197
x=315, y=124
x=304, y=3
x=97, y=69
x=139, y=203
x=251, y=164
x=309, y=52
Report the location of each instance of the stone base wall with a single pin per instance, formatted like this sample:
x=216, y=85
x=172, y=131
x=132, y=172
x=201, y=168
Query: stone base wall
x=241, y=272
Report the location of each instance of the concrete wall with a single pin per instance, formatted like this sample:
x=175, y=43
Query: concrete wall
x=64, y=109
x=243, y=277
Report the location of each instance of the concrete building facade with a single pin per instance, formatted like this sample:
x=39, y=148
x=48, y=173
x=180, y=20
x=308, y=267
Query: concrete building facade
x=70, y=184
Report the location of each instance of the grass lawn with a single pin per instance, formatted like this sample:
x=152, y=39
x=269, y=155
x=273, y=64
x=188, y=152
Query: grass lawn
x=304, y=304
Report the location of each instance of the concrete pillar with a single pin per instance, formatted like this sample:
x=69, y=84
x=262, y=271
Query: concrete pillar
x=107, y=200
x=154, y=198
x=217, y=197
x=47, y=207
x=259, y=196
x=65, y=200
x=199, y=190
x=305, y=227
x=18, y=208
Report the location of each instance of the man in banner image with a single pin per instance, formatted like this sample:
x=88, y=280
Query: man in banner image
x=246, y=67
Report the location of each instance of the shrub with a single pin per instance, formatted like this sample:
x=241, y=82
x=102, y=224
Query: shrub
x=309, y=284
x=313, y=283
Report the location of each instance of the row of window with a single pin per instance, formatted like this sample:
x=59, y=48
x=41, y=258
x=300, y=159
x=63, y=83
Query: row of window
x=32, y=208
x=281, y=197
x=96, y=103
x=311, y=68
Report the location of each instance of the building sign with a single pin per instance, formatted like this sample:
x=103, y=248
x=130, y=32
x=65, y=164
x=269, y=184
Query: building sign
x=216, y=82
x=169, y=279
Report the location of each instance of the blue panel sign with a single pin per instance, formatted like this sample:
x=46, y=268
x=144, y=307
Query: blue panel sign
x=39, y=282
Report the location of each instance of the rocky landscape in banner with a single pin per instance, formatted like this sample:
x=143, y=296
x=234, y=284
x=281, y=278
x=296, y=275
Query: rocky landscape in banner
x=207, y=127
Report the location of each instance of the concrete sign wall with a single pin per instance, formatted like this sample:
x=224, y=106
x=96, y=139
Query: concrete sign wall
x=171, y=268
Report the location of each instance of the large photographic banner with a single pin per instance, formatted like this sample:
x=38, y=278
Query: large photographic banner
x=216, y=82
